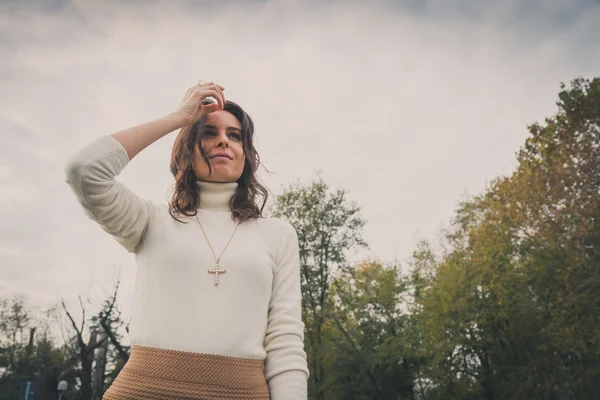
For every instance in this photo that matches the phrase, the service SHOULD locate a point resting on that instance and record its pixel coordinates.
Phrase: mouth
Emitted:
(221, 157)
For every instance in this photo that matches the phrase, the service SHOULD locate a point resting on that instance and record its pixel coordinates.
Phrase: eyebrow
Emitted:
(229, 128)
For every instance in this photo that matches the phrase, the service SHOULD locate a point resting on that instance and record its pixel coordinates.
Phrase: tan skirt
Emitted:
(153, 373)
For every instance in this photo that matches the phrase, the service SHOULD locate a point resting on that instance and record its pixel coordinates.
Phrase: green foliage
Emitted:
(511, 310)
(26, 352)
(368, 353)
(328, 225)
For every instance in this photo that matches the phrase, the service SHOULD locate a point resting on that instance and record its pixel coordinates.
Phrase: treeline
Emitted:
(88, 357)
(508, 309)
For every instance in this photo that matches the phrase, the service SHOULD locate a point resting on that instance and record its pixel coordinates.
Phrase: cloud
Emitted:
(407, 104)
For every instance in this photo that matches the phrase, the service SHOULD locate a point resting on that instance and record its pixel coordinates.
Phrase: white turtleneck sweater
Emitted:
(253, 313)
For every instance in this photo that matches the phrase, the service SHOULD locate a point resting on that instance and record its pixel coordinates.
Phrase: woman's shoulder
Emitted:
(158, 208)
(277, 231)
(161, 215)
(275, 224)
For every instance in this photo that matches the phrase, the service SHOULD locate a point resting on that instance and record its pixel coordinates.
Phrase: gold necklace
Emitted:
(217, 269)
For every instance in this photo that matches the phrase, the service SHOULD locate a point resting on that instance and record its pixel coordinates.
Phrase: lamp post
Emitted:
(62, 388)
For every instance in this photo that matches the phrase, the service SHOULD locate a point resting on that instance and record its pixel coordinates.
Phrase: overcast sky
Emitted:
(409, 105)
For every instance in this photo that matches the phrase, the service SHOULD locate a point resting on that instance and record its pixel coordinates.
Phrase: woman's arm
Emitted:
(91, 173)
(92, 170)
(137, 138)
(191, 109)
(286, 368)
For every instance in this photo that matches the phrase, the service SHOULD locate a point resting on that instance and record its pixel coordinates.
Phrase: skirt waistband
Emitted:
(153, 373)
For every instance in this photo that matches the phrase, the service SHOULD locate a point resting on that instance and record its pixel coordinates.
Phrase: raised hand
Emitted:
(194, 104)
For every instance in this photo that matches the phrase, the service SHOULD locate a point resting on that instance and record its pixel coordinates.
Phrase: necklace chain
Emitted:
(208, 241)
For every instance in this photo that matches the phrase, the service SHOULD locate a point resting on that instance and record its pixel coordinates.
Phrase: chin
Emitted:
(218, 176)
(220, 179)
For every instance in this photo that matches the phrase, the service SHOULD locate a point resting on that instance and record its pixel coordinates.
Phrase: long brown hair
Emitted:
(244, 204)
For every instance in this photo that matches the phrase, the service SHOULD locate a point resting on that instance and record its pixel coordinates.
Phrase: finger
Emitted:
(188, 92)
(213, 86)
(211, 108)
(219, 98)
(214, 94)
(210, 84)
(204, 92)
(222, 95)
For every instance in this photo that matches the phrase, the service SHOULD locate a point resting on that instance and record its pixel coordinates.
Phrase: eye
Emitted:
(237, 136)
(209, 133)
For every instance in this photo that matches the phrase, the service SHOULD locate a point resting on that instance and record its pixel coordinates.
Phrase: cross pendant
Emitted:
(216, 271)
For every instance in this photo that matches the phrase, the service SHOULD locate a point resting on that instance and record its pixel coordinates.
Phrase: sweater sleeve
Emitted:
(91, 174)
(286, 368)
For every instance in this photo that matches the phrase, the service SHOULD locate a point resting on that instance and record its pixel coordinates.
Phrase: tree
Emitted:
(83, 350)
(555, 199)
(16, 343)
(369, 349)
(513, 309)
(113, 353)
(328, 225)
(102, 348)
(26, 350)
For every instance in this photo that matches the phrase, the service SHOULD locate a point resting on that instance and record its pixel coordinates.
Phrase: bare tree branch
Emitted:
(79, 335)
(113, 339)
(82, 313)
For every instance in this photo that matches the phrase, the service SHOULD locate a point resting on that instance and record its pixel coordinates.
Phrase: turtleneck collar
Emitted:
(215, 196)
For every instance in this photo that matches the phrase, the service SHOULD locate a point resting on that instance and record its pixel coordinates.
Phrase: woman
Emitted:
(217, 296)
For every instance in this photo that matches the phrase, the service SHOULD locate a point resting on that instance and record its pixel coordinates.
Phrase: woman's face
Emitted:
(222, 142)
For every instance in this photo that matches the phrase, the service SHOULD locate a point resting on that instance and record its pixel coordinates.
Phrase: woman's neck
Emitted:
(215, 196)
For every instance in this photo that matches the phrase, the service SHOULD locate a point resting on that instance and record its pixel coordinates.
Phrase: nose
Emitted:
(223, 141)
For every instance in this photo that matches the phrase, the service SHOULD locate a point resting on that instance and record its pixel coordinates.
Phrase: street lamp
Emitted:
(62, 388)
